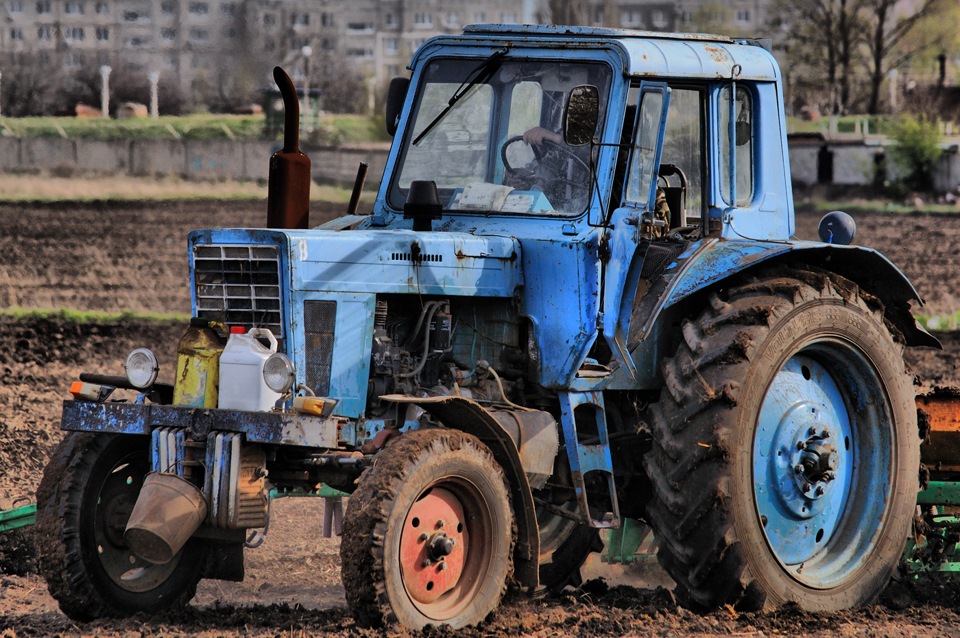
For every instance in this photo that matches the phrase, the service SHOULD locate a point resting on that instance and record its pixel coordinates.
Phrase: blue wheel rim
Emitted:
(822, 463)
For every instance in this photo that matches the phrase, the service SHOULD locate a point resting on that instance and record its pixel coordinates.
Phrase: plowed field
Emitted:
(133, 257)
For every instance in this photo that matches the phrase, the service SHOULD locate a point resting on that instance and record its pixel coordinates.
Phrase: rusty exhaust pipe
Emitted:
(288, 194)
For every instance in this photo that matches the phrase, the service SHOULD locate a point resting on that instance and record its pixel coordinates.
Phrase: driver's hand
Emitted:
(537, 135)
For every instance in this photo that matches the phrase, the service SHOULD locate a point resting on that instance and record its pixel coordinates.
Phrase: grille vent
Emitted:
(320, 320)
(239, 285)
(427, 257)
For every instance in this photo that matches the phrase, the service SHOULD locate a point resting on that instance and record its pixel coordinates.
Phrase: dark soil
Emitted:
(134, 258)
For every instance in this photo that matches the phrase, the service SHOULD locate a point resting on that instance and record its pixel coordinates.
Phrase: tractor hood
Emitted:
(387, 261)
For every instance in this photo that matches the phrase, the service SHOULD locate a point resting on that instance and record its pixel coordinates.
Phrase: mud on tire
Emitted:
(83, 503)
(432, 496)
(785, 447)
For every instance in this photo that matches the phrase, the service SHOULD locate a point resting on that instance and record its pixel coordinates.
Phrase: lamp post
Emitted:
(154, 78)
(105, 91)
(307, 51)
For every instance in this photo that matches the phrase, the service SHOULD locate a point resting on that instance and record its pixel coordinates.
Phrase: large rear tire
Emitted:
(785, 448)
(428, 536)
(83, 503)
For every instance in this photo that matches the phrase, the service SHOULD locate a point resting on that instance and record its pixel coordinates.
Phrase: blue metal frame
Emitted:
(584, 459)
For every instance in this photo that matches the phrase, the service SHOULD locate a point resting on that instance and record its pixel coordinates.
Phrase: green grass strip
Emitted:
(940, 323)
(870, 207)
(91, 316)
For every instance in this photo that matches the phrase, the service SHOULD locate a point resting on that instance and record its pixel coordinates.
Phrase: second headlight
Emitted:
(278, 372)
(142, 368)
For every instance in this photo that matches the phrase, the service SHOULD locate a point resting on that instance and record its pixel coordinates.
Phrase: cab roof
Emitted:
(644, 53)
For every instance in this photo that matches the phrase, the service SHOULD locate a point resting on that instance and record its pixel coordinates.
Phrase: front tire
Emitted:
(84, 501)
(428, 536)
(785, 448)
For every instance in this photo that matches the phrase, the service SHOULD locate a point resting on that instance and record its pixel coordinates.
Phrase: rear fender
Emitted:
(468, 416)
(710, 262)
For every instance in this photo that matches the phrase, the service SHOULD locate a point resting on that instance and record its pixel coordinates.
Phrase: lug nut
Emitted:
(819, 490)
(427, 562)
(798, 468)
(812, 430)
(828, 476)
(442, 566)
(441, 523)
(801, 445)
(423, 537)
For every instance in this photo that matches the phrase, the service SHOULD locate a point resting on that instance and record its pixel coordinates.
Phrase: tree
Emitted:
(30, 84)
(916, 149)
(888, 43)
(825, 36)
(572, 12)
(342, 88)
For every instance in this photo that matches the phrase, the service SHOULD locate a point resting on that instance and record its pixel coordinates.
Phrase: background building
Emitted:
(219, 53)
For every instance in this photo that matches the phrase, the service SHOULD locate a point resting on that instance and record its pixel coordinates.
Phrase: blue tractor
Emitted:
(575, 301)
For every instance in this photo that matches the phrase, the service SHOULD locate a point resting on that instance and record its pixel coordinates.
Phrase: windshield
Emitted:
(499, 147)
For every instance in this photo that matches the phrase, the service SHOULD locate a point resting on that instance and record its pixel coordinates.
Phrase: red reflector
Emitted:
(238, 330)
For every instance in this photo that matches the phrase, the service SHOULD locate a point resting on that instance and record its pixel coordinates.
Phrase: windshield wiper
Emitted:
(479, 75)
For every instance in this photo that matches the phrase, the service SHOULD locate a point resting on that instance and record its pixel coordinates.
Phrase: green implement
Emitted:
(18, 517)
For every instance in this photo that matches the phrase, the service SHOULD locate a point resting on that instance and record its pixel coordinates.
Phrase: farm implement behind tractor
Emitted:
(576, 306)
(18, 517)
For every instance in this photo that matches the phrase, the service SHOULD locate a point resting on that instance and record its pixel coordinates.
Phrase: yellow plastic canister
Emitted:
(198, 366)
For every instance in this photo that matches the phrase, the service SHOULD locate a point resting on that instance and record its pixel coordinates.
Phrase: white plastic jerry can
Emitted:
(241, 372)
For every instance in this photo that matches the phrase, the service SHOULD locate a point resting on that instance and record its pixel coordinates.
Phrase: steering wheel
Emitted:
(540, 151)
(549, 172)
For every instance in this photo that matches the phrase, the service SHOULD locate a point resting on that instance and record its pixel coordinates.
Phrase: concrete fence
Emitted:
(813, 159)
(190, 159)
(860, 162)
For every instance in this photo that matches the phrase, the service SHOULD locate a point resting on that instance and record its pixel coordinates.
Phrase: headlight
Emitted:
(278, 372)
(141, 368)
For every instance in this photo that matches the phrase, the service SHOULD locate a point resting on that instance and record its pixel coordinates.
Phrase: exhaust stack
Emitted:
(288, 195)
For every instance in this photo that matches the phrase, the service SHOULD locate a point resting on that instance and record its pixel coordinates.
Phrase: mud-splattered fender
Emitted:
(711, 261)
(470, 417)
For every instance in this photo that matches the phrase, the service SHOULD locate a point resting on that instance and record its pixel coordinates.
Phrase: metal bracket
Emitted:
(589, 458)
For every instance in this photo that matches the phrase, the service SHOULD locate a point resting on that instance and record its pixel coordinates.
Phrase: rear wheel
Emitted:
(84, 501)
(428, 535)
(785, 448)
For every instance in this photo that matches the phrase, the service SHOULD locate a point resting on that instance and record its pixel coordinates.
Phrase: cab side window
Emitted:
(642, 169)
(736, 146)
(683, 144)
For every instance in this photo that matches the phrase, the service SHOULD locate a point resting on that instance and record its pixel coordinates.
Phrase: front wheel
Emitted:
(84, 500)
(428, 535)
(785, 448)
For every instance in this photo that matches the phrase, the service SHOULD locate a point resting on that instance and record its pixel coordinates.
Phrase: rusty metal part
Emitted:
(434, 545)
(942, 444)
(536, 435)
(288, 197)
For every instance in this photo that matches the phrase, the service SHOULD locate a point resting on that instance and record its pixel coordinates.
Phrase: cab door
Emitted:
(622, 268)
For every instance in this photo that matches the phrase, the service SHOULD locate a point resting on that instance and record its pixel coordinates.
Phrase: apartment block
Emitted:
(223, 47)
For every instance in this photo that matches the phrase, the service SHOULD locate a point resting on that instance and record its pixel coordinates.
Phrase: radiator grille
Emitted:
(319, 319)
(239, 285)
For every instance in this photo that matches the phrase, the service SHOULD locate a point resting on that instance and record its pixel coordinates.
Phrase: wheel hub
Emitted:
(433, 545)
(815, 462)
(802, 460)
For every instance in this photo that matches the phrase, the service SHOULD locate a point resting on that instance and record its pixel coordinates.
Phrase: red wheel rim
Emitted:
(428, 573)
(444, 549)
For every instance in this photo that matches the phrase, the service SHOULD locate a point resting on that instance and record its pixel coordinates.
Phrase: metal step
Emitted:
(592, 457)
